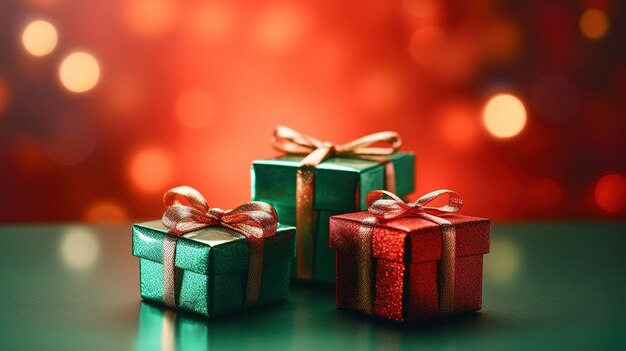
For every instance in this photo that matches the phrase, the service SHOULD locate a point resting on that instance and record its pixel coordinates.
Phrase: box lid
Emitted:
(411, 239)
(211, 250)
(338, 180)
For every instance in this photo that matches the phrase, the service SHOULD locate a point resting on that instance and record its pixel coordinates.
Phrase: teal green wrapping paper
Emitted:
(212, 266)
(338, 180)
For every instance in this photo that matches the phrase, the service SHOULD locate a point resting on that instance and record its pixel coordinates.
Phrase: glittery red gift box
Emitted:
(399, 277)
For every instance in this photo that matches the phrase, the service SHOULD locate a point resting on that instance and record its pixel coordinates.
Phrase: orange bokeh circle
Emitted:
(151, 169)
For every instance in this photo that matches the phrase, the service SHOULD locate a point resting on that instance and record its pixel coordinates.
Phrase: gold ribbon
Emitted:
(393, 207)
(292, 142)
(187, 210)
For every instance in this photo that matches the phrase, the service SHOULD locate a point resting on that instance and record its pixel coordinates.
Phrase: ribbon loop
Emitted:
(293, 142)
(187, 210)
(256, 219)
(361, 146)
(394, 207)
(455, 202)
(191, 196)
(183, 219)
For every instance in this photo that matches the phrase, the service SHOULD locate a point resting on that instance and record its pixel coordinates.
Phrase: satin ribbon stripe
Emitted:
(393, 207)
(187, 210)
(292, 142)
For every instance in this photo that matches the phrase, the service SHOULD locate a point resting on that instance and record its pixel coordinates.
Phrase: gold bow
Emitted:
(187, 210)
(292, 142)
(394, 207)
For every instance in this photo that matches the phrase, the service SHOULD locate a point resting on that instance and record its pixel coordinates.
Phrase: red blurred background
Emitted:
(163, 93)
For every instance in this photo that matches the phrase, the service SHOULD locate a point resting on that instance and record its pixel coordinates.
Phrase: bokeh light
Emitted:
(556, 98)
(458, 125)
(422, 8)
(150, 17)
(151, 170)
(503, 263)
(280, 27)
(106, 211)
(610, 192)
(195, 108)
(39, 38)
(212, 21)
(79, 248)
(79, 72)
(594, 24)
(427, 45)
(504, 116)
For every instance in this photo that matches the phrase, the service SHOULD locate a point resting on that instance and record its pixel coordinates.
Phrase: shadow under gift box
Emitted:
(405, 259)
(341, 186)
(212, 267)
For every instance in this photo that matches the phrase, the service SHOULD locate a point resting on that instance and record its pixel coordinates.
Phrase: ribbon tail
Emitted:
(390, 177)
(169, 271)
(364, 298)
(255, 270)
(306, 220)
(306, 216)
(448, 263)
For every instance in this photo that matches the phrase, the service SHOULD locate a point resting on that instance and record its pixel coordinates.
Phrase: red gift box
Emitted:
(393, 268)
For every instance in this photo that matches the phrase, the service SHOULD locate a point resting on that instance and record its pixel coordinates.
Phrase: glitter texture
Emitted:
(405, 258)
(212, 267)
(389, 290)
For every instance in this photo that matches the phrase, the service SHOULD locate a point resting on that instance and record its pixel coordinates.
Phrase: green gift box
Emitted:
(211, 267)
(341, 185)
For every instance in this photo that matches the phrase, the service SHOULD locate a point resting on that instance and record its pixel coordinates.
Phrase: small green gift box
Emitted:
(212, 264)
(339, 184)
(207, 270)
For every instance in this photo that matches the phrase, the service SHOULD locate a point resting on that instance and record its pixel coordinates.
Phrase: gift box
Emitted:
(216, 268)
(337, 183)
(407, 261)
(341, 183)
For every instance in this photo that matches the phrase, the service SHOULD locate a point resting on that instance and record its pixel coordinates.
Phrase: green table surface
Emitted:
(546, 286)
